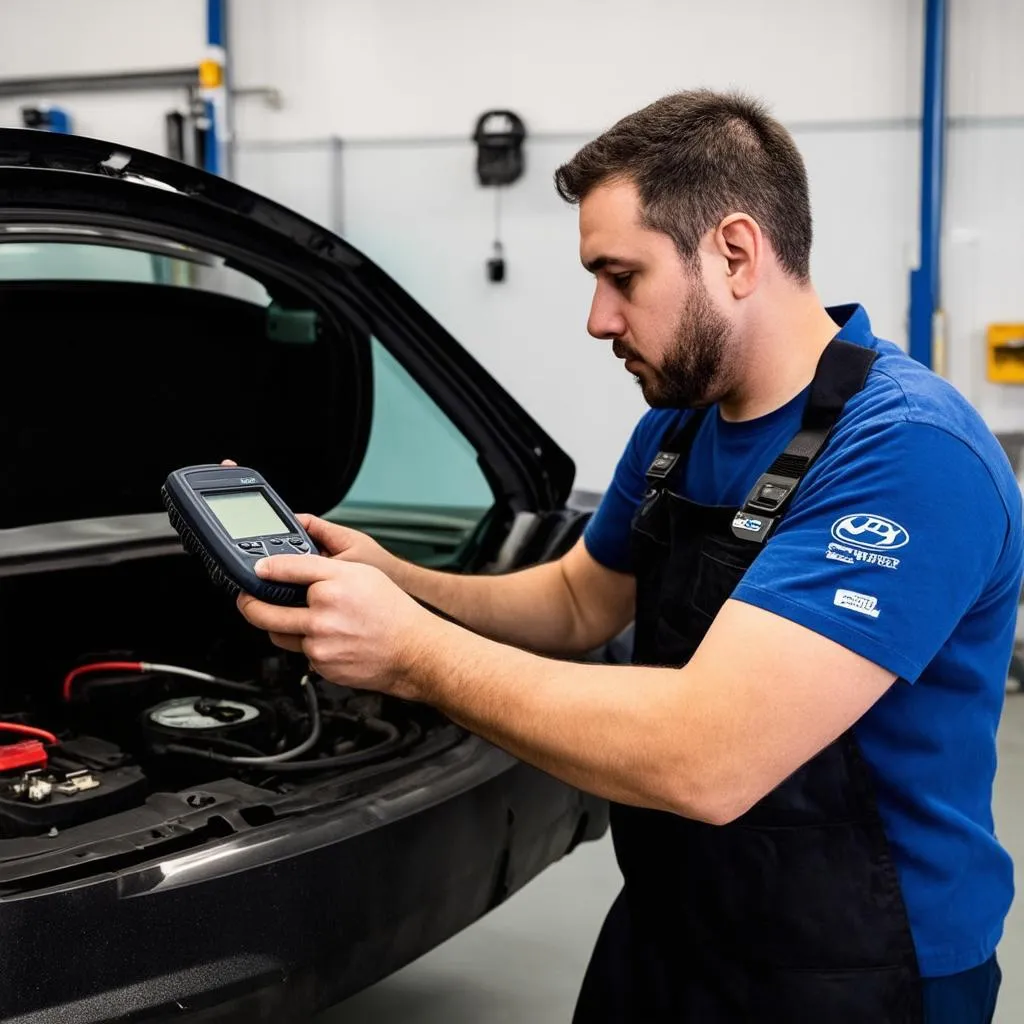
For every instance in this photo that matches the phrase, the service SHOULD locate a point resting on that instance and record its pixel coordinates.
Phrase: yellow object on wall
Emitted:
(211, 74)
(1006, 353)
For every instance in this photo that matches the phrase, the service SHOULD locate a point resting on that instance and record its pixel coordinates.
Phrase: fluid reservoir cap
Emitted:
(201, 713)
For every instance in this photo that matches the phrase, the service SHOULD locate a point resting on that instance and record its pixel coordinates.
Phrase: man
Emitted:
(821, 545)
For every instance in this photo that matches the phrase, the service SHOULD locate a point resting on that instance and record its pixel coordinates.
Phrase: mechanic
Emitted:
(801, 758)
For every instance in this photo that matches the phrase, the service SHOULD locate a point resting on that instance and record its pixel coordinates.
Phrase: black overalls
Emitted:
(793, 913)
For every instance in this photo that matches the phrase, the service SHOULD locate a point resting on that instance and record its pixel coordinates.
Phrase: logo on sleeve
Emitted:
(872, 533)
(863, 539)
(863, 603)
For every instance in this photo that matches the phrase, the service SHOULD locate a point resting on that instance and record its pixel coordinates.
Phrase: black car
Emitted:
(154, 317)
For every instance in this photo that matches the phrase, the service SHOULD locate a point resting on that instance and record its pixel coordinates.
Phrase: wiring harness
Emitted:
(342, 753)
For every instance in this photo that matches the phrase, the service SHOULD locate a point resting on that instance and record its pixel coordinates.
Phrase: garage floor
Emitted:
(524, 961)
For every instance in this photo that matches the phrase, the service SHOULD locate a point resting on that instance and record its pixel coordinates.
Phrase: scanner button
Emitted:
(300, 545)
(244, 544)
(277, 540)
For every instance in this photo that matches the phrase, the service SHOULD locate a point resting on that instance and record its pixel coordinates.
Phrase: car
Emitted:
(155, 317)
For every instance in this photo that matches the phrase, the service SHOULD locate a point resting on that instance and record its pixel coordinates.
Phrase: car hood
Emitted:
(48, 178)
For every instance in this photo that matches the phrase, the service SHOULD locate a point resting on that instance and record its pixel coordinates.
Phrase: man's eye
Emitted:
(622, 281)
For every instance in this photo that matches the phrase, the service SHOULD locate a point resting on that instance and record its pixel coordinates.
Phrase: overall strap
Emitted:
(675, 446)
(842, 372)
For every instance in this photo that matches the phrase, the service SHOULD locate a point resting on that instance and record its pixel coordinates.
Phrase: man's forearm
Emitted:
(610, 730)
(531, 608)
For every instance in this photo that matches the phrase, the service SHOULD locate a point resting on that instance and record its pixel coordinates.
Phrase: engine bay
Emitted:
(131, 728)
(98, 742)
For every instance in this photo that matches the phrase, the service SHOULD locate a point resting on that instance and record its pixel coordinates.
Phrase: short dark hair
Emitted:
(696, 157)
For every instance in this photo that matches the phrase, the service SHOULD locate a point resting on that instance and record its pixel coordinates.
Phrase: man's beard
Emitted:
(695, 370)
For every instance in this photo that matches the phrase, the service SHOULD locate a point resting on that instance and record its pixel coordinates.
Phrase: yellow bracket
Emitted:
(1005, 343)
(211, 74)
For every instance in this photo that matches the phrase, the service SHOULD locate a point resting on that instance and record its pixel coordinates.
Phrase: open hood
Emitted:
(184, 375)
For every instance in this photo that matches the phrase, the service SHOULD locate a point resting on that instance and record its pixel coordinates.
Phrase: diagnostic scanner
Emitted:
(231, 518)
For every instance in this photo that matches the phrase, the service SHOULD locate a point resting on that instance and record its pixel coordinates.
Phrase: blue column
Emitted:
(215, 22)
(213, 79)
(925, 280)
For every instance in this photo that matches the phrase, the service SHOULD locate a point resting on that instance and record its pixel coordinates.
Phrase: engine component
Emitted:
(78, 783)
(24, 754)
(86, 778)
(33, 787)
(145, 668)
(264, 760)
(209, 723)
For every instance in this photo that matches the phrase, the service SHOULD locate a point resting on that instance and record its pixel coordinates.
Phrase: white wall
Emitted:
(402, 82)
(986, 73)
(68, 37)
(65, 37)
(403, 67)
(982, 266)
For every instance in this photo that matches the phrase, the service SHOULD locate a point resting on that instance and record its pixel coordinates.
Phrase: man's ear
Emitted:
(738, 239)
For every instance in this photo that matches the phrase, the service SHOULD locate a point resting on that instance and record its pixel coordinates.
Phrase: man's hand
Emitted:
(358, 628)
(347, 545)
(565, 607)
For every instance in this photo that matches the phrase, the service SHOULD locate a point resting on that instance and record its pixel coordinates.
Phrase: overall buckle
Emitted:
(763, 507)
(662, 466)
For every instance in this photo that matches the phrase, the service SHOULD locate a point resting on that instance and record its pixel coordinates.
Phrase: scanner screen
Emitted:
(246, 514)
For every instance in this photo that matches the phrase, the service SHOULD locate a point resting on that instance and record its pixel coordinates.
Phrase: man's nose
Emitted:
(606, 321)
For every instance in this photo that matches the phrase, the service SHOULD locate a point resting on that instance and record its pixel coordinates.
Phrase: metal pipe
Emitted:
(270, 95)
(50, 85)
(925, 279)
(337, 224)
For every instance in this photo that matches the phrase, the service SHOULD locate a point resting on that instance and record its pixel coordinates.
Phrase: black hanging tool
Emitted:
(499, 136)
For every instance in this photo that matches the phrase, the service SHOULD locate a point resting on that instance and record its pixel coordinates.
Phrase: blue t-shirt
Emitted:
(903, 544)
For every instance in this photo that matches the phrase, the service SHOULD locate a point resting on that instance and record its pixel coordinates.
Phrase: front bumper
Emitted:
(297, 915)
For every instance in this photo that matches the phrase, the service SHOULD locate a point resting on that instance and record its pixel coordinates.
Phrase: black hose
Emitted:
(239, 748)
(394, 743)
(386, 729)
(386, 749)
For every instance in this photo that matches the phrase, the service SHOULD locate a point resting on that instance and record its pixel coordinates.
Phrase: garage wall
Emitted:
(986, 74)
(982, 265)
(64, 37)
(402, 67)
(845, 77)
(402, 83)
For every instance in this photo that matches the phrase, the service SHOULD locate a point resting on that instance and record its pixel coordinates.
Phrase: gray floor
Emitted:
(522, 964)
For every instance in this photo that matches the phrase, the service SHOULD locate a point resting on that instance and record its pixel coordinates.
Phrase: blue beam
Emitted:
(215, 22)
(215, 95)
(925, 280)
(211, 152)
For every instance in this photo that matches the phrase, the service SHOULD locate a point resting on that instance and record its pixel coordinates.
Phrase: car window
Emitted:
(35, 259)
(420, 490)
